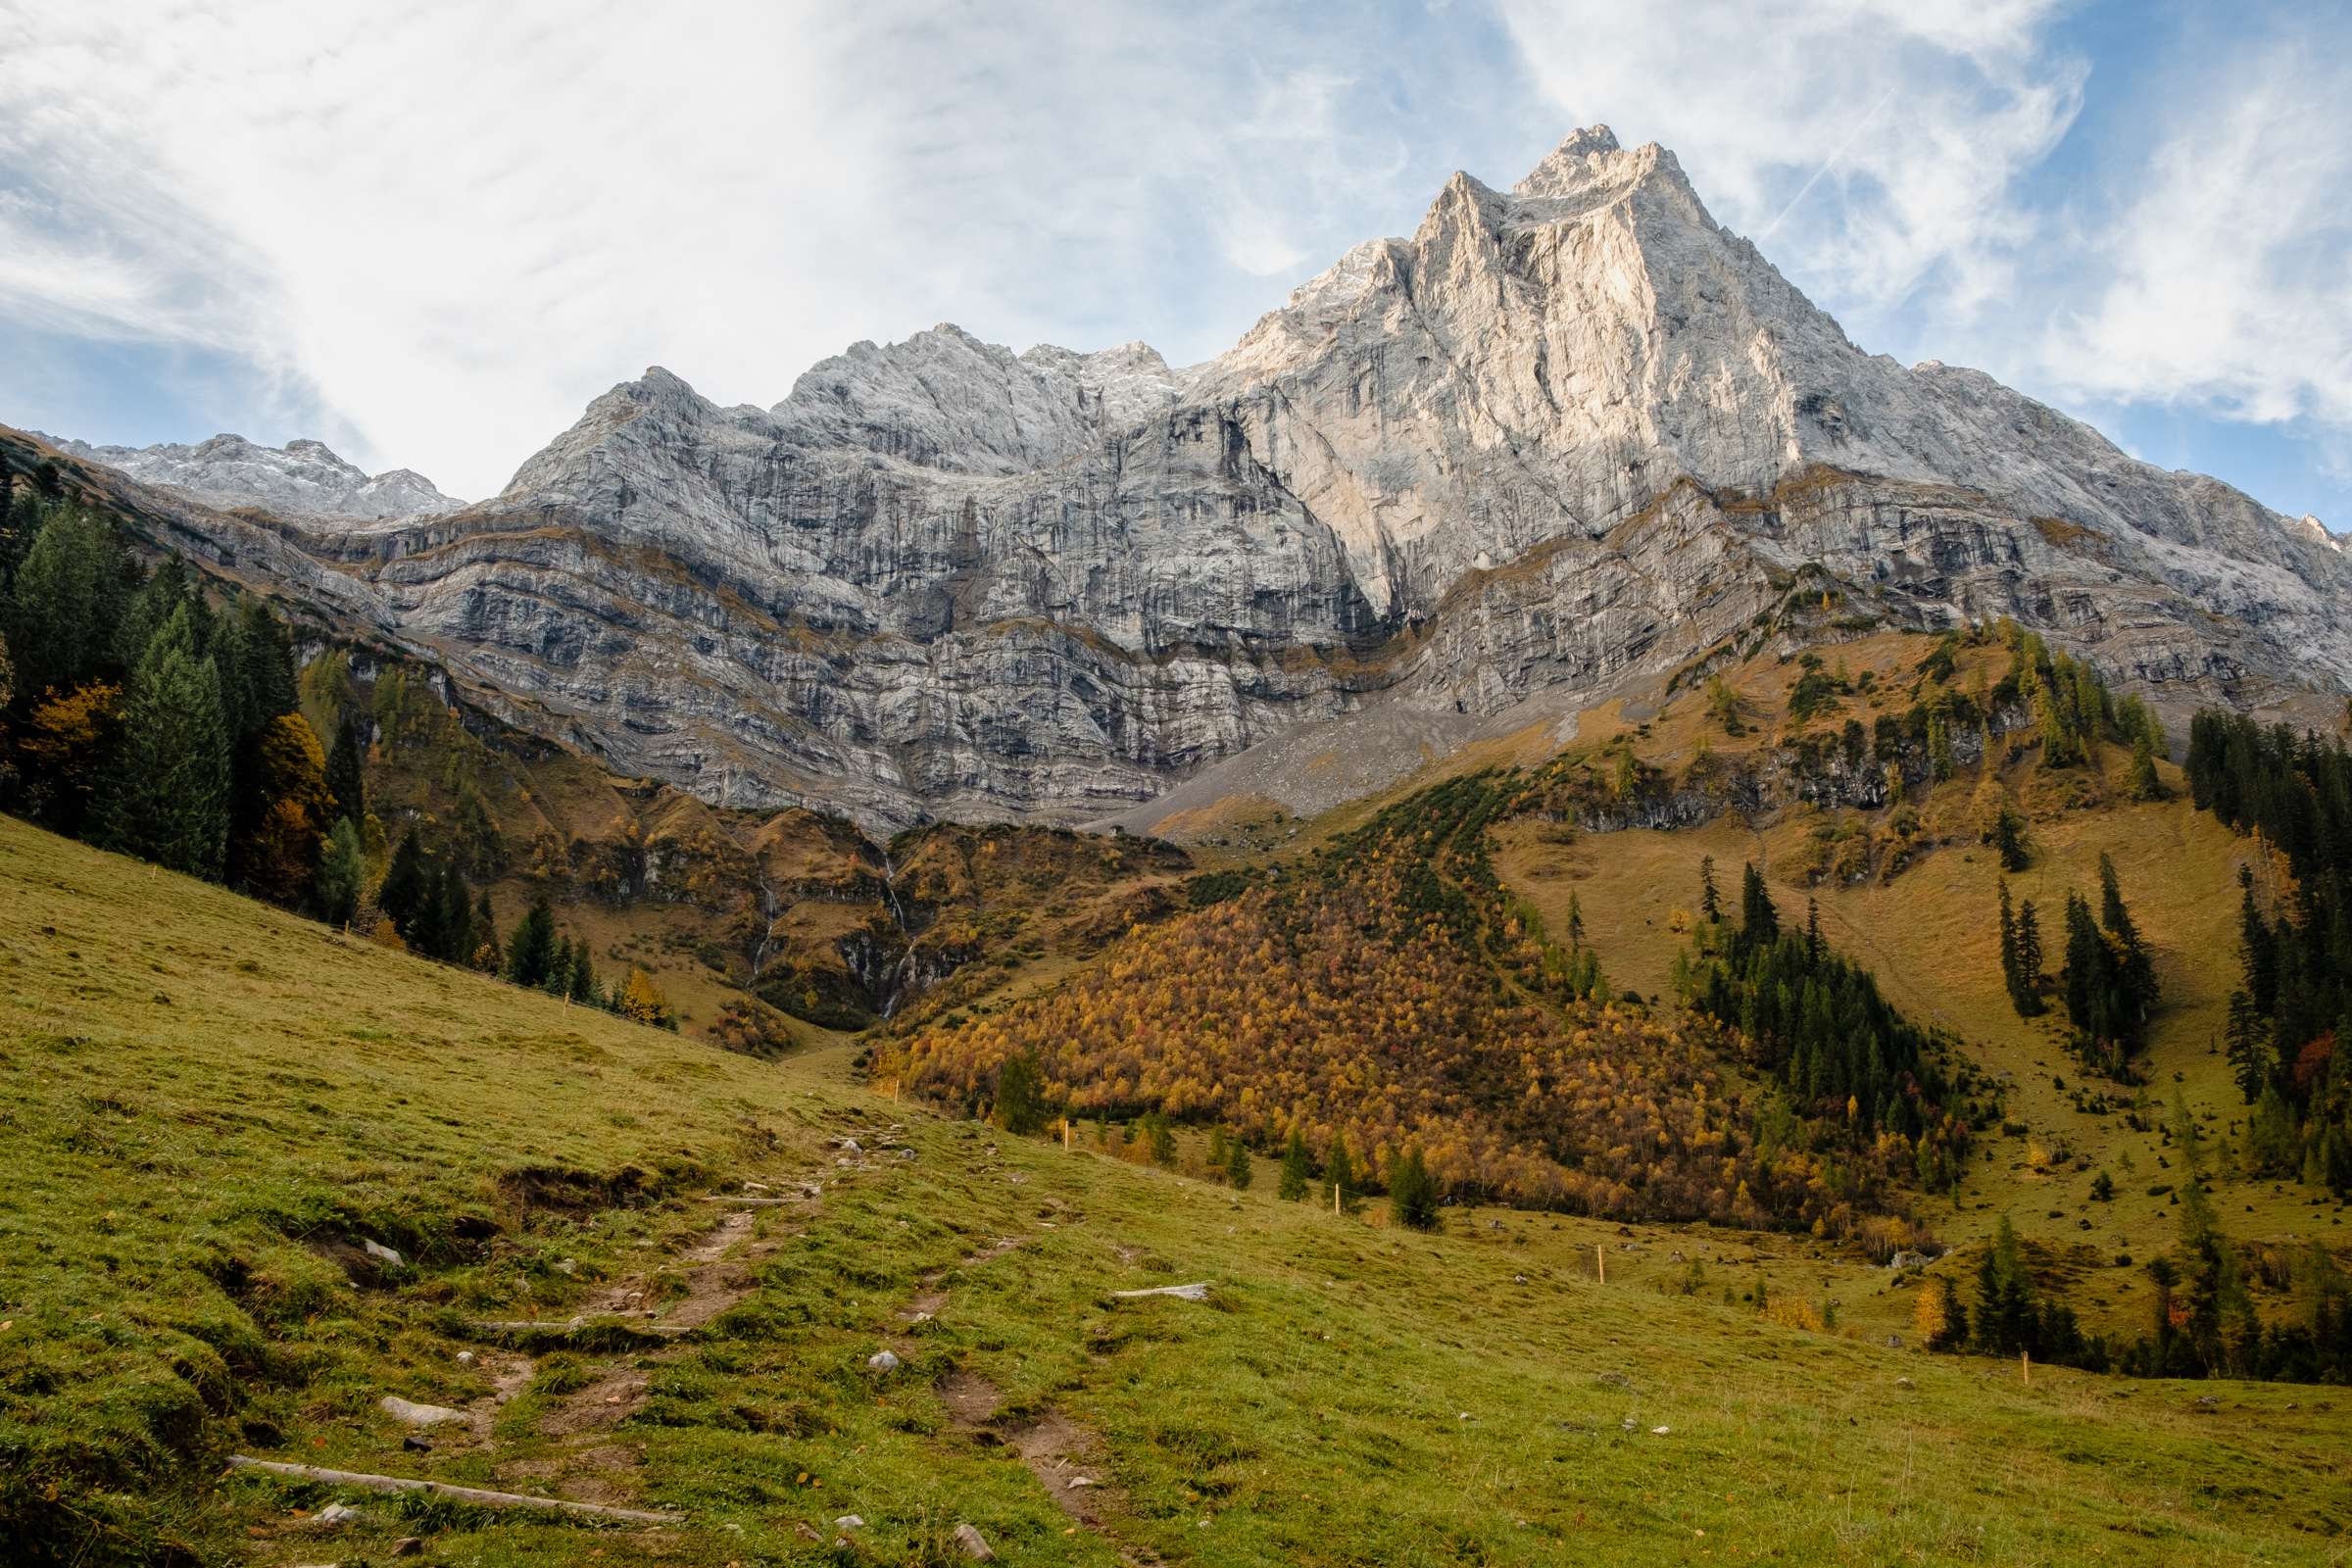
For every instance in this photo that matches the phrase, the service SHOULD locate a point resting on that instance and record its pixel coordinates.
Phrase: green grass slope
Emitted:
(207, 1108)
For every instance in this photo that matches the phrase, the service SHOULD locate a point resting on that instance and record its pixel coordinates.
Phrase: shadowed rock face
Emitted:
(1560, 436)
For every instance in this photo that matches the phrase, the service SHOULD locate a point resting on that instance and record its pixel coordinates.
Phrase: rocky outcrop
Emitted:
(302, 478)
(1559, 436)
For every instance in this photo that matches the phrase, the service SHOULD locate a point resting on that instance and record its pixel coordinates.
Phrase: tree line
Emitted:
(2292, 1010)
(142, 714)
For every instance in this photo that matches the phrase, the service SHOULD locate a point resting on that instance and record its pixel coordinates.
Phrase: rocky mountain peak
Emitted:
(1562, 436)
(303, 477)
(944, 399)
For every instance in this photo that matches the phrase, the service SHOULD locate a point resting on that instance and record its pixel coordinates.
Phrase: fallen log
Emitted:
(442, 1489)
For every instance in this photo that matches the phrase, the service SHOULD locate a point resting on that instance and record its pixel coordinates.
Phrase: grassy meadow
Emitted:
(207, 1109)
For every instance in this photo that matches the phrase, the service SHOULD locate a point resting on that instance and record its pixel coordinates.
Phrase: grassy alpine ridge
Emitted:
(207, 1105)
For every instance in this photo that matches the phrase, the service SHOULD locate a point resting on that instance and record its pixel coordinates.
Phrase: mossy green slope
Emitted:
(205, 1103)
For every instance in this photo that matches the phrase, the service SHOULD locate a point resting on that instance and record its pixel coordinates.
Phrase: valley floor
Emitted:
(208, 1109)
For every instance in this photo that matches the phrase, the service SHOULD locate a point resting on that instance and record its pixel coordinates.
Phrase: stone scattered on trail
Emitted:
(1075, 1482)
(882, 1361)
(466, 1358)
(970, 1541)
(1198, 1292)
(380, 1253)
(849, 1521)
(417, 1415)
(337, 1513)
(569, 1265)
(416, 1445)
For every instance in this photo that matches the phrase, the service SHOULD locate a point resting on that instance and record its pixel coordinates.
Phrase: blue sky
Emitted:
(429, 233)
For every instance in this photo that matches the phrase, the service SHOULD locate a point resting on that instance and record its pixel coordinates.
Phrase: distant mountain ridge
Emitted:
(1560, 438)
(303, 476)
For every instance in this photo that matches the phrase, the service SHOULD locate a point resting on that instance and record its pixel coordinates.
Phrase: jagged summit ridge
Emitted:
(301, 476)
(944, 399)
(1559, 437)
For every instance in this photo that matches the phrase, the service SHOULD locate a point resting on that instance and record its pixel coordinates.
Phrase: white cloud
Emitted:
(434, 230)
(1906, 125)
(459, 222)
(2226, 278)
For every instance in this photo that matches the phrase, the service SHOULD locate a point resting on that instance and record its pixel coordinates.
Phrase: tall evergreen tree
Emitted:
(65, 602)
(345, 772)
(1297, 1173)
(1412, 1191)
(2249, 1054)
(404, 891)
(2028, 951)
(1758, 920)
(1710, 907)
(342, 874)
(166, 796)
(531, 951)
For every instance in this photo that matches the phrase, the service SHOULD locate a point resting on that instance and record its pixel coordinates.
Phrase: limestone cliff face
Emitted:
(1559, 436)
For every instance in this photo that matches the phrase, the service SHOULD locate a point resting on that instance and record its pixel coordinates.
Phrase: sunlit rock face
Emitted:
(1560, 436)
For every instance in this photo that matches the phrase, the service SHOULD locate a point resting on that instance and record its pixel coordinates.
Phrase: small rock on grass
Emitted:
(418, 1415)
(337, 1513)
(408, 1546)
(882, 1361)
(849, 1521)
(970, 1541)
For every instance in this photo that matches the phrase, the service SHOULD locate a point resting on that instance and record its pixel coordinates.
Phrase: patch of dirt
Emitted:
(604, 1473)
(971, 1399)
(510, 1375)
(607, 1402)
(1065, 1458)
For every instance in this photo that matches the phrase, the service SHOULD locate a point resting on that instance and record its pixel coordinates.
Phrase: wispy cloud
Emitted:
(2225, 276)
(434, 230)
(1918, 119)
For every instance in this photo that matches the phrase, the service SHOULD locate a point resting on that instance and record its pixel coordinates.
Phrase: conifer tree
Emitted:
(342, 874)
(2012, 970)
(167, 798)
(64, 602)
(345, 772)
(1297, 1174)
(583, 973)
(2144, 783)
(1710, 907)
(1238, 1170)
(402, 893)
(2029, 953)
(2009, 838)
(1759, 921)
(1412, 1191)
(532, 951)
(2249, 1058)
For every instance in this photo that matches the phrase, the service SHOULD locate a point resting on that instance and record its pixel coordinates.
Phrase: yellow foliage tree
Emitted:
(642, 1000)
(280, 855)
